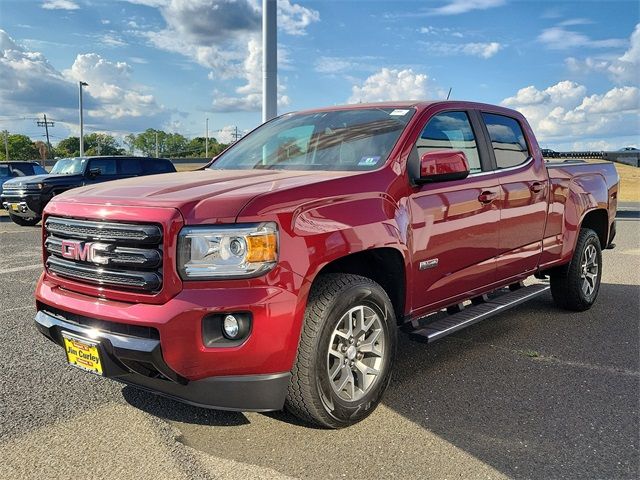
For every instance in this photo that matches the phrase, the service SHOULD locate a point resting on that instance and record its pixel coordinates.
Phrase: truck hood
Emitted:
(46, 178)
(203, 196)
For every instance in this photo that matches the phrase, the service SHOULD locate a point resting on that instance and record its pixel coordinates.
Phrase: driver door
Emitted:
(455, 224)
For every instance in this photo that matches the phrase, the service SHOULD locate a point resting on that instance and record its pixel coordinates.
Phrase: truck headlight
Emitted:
(227, 251)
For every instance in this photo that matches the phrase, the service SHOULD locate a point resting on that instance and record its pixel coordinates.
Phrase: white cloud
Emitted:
(391, 84)
(221, 35)
(559, 38)
(294, 18)
(60, 5)
(248, 96)
(621, 69)
(31, 85)
(111, 84)
(335, 65)
(565, 114)
(476, 49)
(228, 134)
(456, 7)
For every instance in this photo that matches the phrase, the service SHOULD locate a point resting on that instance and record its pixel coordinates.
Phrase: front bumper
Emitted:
(27, 205)
(138, 361)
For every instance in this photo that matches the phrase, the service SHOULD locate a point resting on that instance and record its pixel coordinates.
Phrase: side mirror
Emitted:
(443, 166)
(94, 172)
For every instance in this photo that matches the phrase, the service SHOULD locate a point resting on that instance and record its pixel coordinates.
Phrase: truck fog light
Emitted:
(225, 329)
(231, 327)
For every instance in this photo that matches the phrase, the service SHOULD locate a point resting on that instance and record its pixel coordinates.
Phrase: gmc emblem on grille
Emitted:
(85, 251)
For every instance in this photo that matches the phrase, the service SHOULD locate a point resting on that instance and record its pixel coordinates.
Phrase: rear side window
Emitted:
(23, 169)
(107, 166)
(130, 166)
(450, 131)
(507, 139)
(4, 170)
(158, 166)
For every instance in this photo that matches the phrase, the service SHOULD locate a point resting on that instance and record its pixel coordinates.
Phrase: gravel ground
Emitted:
(532, 393)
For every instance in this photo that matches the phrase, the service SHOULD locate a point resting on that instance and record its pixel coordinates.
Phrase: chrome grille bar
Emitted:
(103, 231)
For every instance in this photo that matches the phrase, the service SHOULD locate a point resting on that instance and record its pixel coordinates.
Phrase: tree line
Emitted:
(171, 145)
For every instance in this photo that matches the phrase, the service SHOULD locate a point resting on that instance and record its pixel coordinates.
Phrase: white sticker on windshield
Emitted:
(368, 161)
(399, 112)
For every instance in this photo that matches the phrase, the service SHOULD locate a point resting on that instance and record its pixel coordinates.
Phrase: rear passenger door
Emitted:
(523, 206)
(129, 167)
(454, 224)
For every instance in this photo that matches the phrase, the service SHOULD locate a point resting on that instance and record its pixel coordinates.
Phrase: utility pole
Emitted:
(269, 60)
(46, 126)
(80, 85)
(157, 145)
(206, 139)
(6, 145)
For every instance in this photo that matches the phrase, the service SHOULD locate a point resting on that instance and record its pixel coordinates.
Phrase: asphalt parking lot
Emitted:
(532, 393)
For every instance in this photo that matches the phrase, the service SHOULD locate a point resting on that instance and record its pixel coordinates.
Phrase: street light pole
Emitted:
(80, 85)
(206, 139)
(269, 60)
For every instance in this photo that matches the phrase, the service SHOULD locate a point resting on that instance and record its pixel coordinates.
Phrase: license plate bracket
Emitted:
(83, 353)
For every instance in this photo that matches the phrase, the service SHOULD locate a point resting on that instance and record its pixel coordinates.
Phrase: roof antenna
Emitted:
(449, 94)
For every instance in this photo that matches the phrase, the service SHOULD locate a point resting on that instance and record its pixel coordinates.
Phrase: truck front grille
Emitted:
(122, 256)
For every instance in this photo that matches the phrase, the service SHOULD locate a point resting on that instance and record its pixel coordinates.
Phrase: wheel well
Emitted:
(598, 221)
(382, 265)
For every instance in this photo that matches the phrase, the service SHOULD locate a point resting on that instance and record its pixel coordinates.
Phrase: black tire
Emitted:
(311, 395)
(25, 222)
(568, 280)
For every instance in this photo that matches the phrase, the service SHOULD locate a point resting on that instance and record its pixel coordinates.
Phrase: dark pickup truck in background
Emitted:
(280, 274)
(25, 197)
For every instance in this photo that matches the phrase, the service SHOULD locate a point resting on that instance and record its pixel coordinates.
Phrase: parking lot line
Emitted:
(21, 269)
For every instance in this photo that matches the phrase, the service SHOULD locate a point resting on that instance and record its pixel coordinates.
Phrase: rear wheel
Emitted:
(346, 351)
(25, 222)
(575, 286)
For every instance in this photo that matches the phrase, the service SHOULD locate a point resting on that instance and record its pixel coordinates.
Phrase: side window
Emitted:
(130, 166)
(507, 139)
(4, 170)
(450, 131)
(157, 166)
(23, 169)
(107, 166)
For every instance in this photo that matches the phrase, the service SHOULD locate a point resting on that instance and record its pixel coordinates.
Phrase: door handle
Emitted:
(537, 187)
(487, 197)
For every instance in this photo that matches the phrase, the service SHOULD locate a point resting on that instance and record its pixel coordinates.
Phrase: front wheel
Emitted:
(575, 286)
(346, 351)
(25, 222)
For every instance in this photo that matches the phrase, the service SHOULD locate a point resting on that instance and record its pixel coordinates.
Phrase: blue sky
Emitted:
(572, 67)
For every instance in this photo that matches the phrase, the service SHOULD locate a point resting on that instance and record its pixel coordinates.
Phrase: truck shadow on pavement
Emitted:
(532, 392)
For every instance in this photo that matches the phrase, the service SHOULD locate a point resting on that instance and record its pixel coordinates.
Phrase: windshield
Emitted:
(356, 139)
(68, 166)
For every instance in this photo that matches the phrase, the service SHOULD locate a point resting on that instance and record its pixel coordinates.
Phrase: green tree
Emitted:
(146, 142)
(20, 148)
(175, 145)
(69, 147)
(130, 142)
(101, 144)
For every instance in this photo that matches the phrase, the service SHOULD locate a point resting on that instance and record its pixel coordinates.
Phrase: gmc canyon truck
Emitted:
(279, 275)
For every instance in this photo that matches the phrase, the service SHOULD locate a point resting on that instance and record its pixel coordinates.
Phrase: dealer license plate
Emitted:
(15, 207)
(82, 353)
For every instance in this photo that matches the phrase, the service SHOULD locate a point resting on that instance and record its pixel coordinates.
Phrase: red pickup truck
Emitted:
(279, 275)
